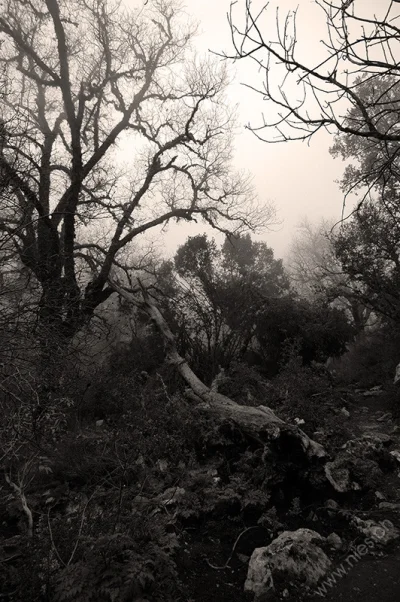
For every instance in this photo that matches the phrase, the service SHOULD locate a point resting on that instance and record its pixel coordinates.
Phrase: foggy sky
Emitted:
(300, 179)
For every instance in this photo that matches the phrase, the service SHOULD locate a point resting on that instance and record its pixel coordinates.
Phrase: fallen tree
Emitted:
(259, 423)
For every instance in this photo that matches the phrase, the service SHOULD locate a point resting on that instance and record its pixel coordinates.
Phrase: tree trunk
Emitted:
(256, 422)
(53, 338)
(52, 351)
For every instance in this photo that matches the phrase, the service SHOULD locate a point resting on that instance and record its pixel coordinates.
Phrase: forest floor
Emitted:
(374, 578)
(197, 518)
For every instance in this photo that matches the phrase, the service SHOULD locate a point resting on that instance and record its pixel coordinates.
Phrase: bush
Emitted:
(318, 332)
(244, 384)
(371, 359)
(127, 379)
(307, 392)
(121, 566)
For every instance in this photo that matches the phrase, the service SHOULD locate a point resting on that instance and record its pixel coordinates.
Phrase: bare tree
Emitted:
(311, 260)
(86, 81)
(327, 92)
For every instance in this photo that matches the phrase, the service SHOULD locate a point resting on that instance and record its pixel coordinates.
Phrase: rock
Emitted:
(140, 461)
(378, 439)
(397, 375)
(396, 454)
(141, 499)
(259, 575)
(332, 504)
(163, 465)
(99, 423)
(339, 477)
(371, 445)
(243, 558)
(294, 559)
(299, 421)
(389, 506)
(334, 541)
(384, 417)
(345, 413)
(379, 495)
(366, 392)
(373, 392)
(382, 532)
(367, 473)
(332, 507)
(357, 466)
(172, 495)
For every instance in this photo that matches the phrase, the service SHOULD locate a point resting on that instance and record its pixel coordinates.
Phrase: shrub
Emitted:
(318, 331)
(244, 384)
(120, 567)
(371, 359)
(307, 392)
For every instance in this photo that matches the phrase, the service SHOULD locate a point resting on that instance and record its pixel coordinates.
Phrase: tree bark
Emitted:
(259, 423)
(55, 329)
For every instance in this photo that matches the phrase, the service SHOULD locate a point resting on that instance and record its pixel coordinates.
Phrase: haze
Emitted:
(299, 178)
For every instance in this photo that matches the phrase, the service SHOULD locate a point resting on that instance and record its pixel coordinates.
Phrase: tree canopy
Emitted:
(368, 249)
(86, 83)
(234, 303)
(216, 293)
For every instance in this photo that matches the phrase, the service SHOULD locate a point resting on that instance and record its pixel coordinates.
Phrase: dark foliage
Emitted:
(367, 247)
(316, 331)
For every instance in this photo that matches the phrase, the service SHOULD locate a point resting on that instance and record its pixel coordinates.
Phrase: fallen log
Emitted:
(259, 423)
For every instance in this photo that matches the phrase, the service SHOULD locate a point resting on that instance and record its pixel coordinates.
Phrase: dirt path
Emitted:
(375, 577)
(373, 413)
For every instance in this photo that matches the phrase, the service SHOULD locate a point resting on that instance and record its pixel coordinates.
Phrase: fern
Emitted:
(115, 567)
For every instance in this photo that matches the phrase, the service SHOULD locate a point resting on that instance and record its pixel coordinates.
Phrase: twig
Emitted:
(80, 530)
(53, 545)
(4, 560)
(18, 490)
(160, 378)
(77, 538)
(225, 566)
(9, 594)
